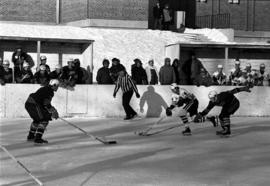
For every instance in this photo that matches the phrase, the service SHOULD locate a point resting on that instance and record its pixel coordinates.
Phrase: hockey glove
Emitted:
(199, 118)
(54, 113)
(168, 112)
(138, 95)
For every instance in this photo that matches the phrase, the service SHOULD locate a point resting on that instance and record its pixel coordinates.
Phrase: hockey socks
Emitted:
(187, 131)
(32, 132)
(39, 133)
(225, 124)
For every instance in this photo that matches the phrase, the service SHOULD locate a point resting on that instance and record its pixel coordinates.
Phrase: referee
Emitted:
(128, 87)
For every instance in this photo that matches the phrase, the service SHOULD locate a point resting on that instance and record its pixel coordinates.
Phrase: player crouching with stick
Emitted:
(182, 97)
(38, 106)
(229, 104)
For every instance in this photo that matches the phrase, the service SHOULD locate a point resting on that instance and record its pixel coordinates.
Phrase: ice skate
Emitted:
(224, 133)
(213, 120)
(30, 137)
(40, 141)
(186, 132)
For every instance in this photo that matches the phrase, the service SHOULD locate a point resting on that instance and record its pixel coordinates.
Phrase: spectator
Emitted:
(248, 68)
(262, 76)
(166, 73)
(167, 18)
(42, 76)
(115, 68)
(236, 73)
(175, 66)
(196, 66)
(1, 62)
(70, 75)
(18, 58)
(138, 74)
(135, 63)
(82, 73)
(152, 73)
(1, 70)
(186, 67)
(205, 78)
(43, 61)
(57, 73)
(26, 75)
(183, 78)
(157, 12)
(219, 77)
(103, 74)
(6, 73)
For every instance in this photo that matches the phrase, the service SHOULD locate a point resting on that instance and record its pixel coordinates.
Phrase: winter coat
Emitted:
(138, 74)
(149, 75)
(167, 75)
(103, 76)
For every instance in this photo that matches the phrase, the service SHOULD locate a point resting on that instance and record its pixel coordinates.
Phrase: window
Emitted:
(202, 1)
(234, 1)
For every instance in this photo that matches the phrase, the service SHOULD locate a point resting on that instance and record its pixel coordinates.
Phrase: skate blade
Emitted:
(186, 134)
(225, 136)
(40, 144)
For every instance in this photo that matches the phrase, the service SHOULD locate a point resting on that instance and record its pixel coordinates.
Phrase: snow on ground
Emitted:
(128, 44)
(73, 159)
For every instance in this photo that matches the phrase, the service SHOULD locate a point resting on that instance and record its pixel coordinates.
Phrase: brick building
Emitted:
(247, 15)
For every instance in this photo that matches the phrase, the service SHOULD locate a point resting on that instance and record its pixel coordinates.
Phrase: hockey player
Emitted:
(229, 104)
(182, 97)
(219, 77)
(38, 106)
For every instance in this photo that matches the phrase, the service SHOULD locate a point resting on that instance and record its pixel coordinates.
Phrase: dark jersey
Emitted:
(6, 76)
(27, 76)
(223, 99)
(43, 96)
(42, 79)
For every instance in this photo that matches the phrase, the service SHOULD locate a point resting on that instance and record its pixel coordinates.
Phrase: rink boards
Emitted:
(97, 100)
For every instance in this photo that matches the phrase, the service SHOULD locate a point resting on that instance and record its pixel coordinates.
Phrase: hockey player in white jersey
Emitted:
(188, 102)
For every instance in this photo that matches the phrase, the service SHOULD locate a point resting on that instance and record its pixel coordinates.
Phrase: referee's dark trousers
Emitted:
(125, 101)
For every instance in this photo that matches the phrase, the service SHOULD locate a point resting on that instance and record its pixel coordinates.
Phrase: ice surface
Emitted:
(71, 158)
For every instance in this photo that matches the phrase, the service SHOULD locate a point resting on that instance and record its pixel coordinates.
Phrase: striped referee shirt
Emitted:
(126, 84)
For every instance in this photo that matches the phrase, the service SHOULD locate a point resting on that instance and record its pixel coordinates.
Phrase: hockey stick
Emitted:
(163, 130)
(145, 131)
(29, 173)
(90, 135)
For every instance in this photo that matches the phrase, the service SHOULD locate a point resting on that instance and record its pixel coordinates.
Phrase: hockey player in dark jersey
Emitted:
(187, 100)
(38, 106)
(229, 104)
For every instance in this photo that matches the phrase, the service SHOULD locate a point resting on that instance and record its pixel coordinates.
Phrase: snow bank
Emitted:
(127, 44)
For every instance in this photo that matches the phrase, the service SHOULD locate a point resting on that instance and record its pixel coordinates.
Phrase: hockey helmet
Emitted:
(43, 58)
(262, 65)
(237, 62)
(58, 66)
(219, 66)
(70, 60)
(54, 82)
(6, 62)
(174, 86)
(212, 94)
(25, 64)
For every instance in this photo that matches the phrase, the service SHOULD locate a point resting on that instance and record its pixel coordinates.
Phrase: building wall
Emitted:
(73, 10)
(250, 15)
(28, 10)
